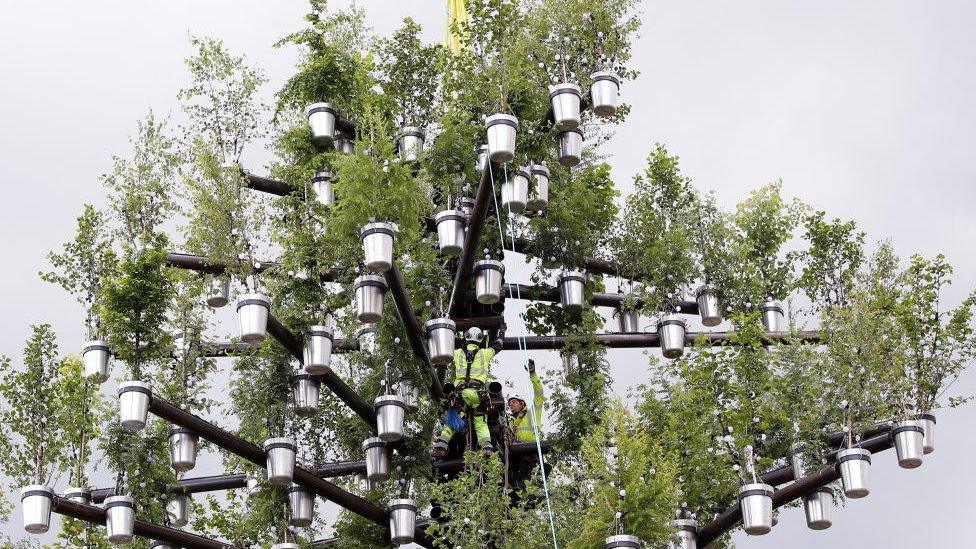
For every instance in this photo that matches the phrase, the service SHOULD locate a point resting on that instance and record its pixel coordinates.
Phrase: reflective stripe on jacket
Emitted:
(521, 424)
(480, 366)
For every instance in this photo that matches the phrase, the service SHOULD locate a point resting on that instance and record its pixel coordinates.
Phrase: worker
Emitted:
(472, 370)
(523, 426)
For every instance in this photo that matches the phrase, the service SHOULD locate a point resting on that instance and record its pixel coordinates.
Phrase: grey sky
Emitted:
(864, 109)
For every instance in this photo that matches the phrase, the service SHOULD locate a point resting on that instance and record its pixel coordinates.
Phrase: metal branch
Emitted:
(472, 237)
(547, 293)
(645, 340)
(412, 328)
(202, 264)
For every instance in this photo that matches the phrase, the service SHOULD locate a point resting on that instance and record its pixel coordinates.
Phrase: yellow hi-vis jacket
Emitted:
(480, 366)
(521, 423)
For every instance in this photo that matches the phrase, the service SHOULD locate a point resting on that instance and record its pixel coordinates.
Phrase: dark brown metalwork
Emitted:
(411, 326)
(547, 293)
(472, 237)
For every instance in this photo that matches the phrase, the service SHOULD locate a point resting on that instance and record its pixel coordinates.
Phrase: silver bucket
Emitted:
(605, 93)
(370, 291)
(178, 509)
(854, 465)
(709, 307)
(390, 410)
(798, 461)
(629, 321)
(363, 482)
(159, 544)
(305, 394)
(489, 275)
(318, 350)
(570, 363)
(403, 520)
(773, 316)
(322, 119)
(570, 147)
(671, 331)
(539, 190)
(322, 187)
(440, 339)
(366, 336)
(182, 449)
(621, 541)
(120, 515)
(377, 241)
(571, 291)
(78, 495)
(218, 294)
(466, 205)
(410, 143)
(280, 452)
(756, 501)
(502, 130)
(909, 437)
(928, 425)
(817, 507)
(450, 231)
(687, 534)
(565, 99)
(134, 398)
(35, 506)
(344, 144)
(301, 503)
(96, 354)
(410, 394)
(482, 152)
(252, 315)
(377, 459)
(515, 191)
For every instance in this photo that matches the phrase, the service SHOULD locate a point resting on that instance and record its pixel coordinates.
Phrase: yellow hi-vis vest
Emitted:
(521, 424)
(480, 366)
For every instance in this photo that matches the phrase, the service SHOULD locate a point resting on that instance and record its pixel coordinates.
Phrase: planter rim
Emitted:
(385, 227)
(686, 523)
(402, 503)
(320, 107)
(36, 490)
(488, 264)
(296, 488)
(574, 130)
(95, 344)
(280, 442)
(254, 299)
(565, 87)
(177, 430)
(706, 289)
(320, 331)
(540, 169)
(605, 75)
(907, 426)
(373, 442)
(450, 215)
(370, 280)
(441, 322)
(389, 400)
(120, 501)
(75, 491)
(672, 318)
(572, 275)
(365, 330)
(414, 131)
(501, 118)
(755, 488)
(300, 376)
(849, 454)
(135, 386)
(927, 416)
(325, 174)
(772, 305)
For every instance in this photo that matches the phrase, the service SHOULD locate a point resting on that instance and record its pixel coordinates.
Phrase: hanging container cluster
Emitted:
(182, 449)
(134, 398)
(390, 411)
(95, 355)
(571, 291)
(773, 316)
(709, 307)
(218, 294)
(854, 465)
(671, 330)
(35, 506)
(377, 459)
(817, 507)
(622, 541)
(280, 459)
(322, 120)
(178, 509)
(370, 291)
(909, 437)
(570, 147)
(322, 187)
(120, 515)
(502, 130)
(301, 504)
(252, 315)
(539, 190)
(410, 143)
(450, 231)
(377, 241)
(440, 339)
(687, 534)
(403, 520)
(756, 501)
(318, 350)
(305, 394)
(489, 275)
(605, 93)
(515, 191)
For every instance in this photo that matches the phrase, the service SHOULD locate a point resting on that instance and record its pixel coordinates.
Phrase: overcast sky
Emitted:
(864, 109)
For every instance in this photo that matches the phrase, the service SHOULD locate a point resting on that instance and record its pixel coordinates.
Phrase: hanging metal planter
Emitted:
(539, 190)
(182, 449)
(629, 321)
(571, 291)
(344, 144)
(466, 205)
(565, 99)
(219, 293)
(515, 191)
(709, 307)
(318, 350)
(410, 394)
(854, 465)
(286, 545)
(482, 152)
(301, 503)
(570, 363)
(322, 187)
(450, 231)
(178, 509)
(134, 397)
(671, 330)
(78, 495)
(35, 506)
(390, 410)
(687, 534)
(773, 317)
(817, 507)
(605, 93)
(909, 437)
(440, 339)
(322, 119)
(756, 501)
(366, 336)
(403, 520)
(570, 147)
(96, 354)
(928, 425)
(489, 275)
(280, 452)
(798, 461)
(377, 459)
(305, 394)
(502, 130)
(370, 291)
(622, 541)
(158, 544)
(363, 482)
(120, 515)
(378, 246)
(252, 315)
(410, 143)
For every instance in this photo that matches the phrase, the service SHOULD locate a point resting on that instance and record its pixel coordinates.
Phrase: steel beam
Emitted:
(412, 328)
(472, 236)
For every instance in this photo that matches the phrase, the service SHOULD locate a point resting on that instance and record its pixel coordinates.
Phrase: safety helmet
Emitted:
(474, 334)
(518, 398)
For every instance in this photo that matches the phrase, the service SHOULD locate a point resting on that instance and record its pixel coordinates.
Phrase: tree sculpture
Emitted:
(399, 165)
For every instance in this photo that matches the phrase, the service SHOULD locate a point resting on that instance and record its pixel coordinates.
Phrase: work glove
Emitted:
(531, 366)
